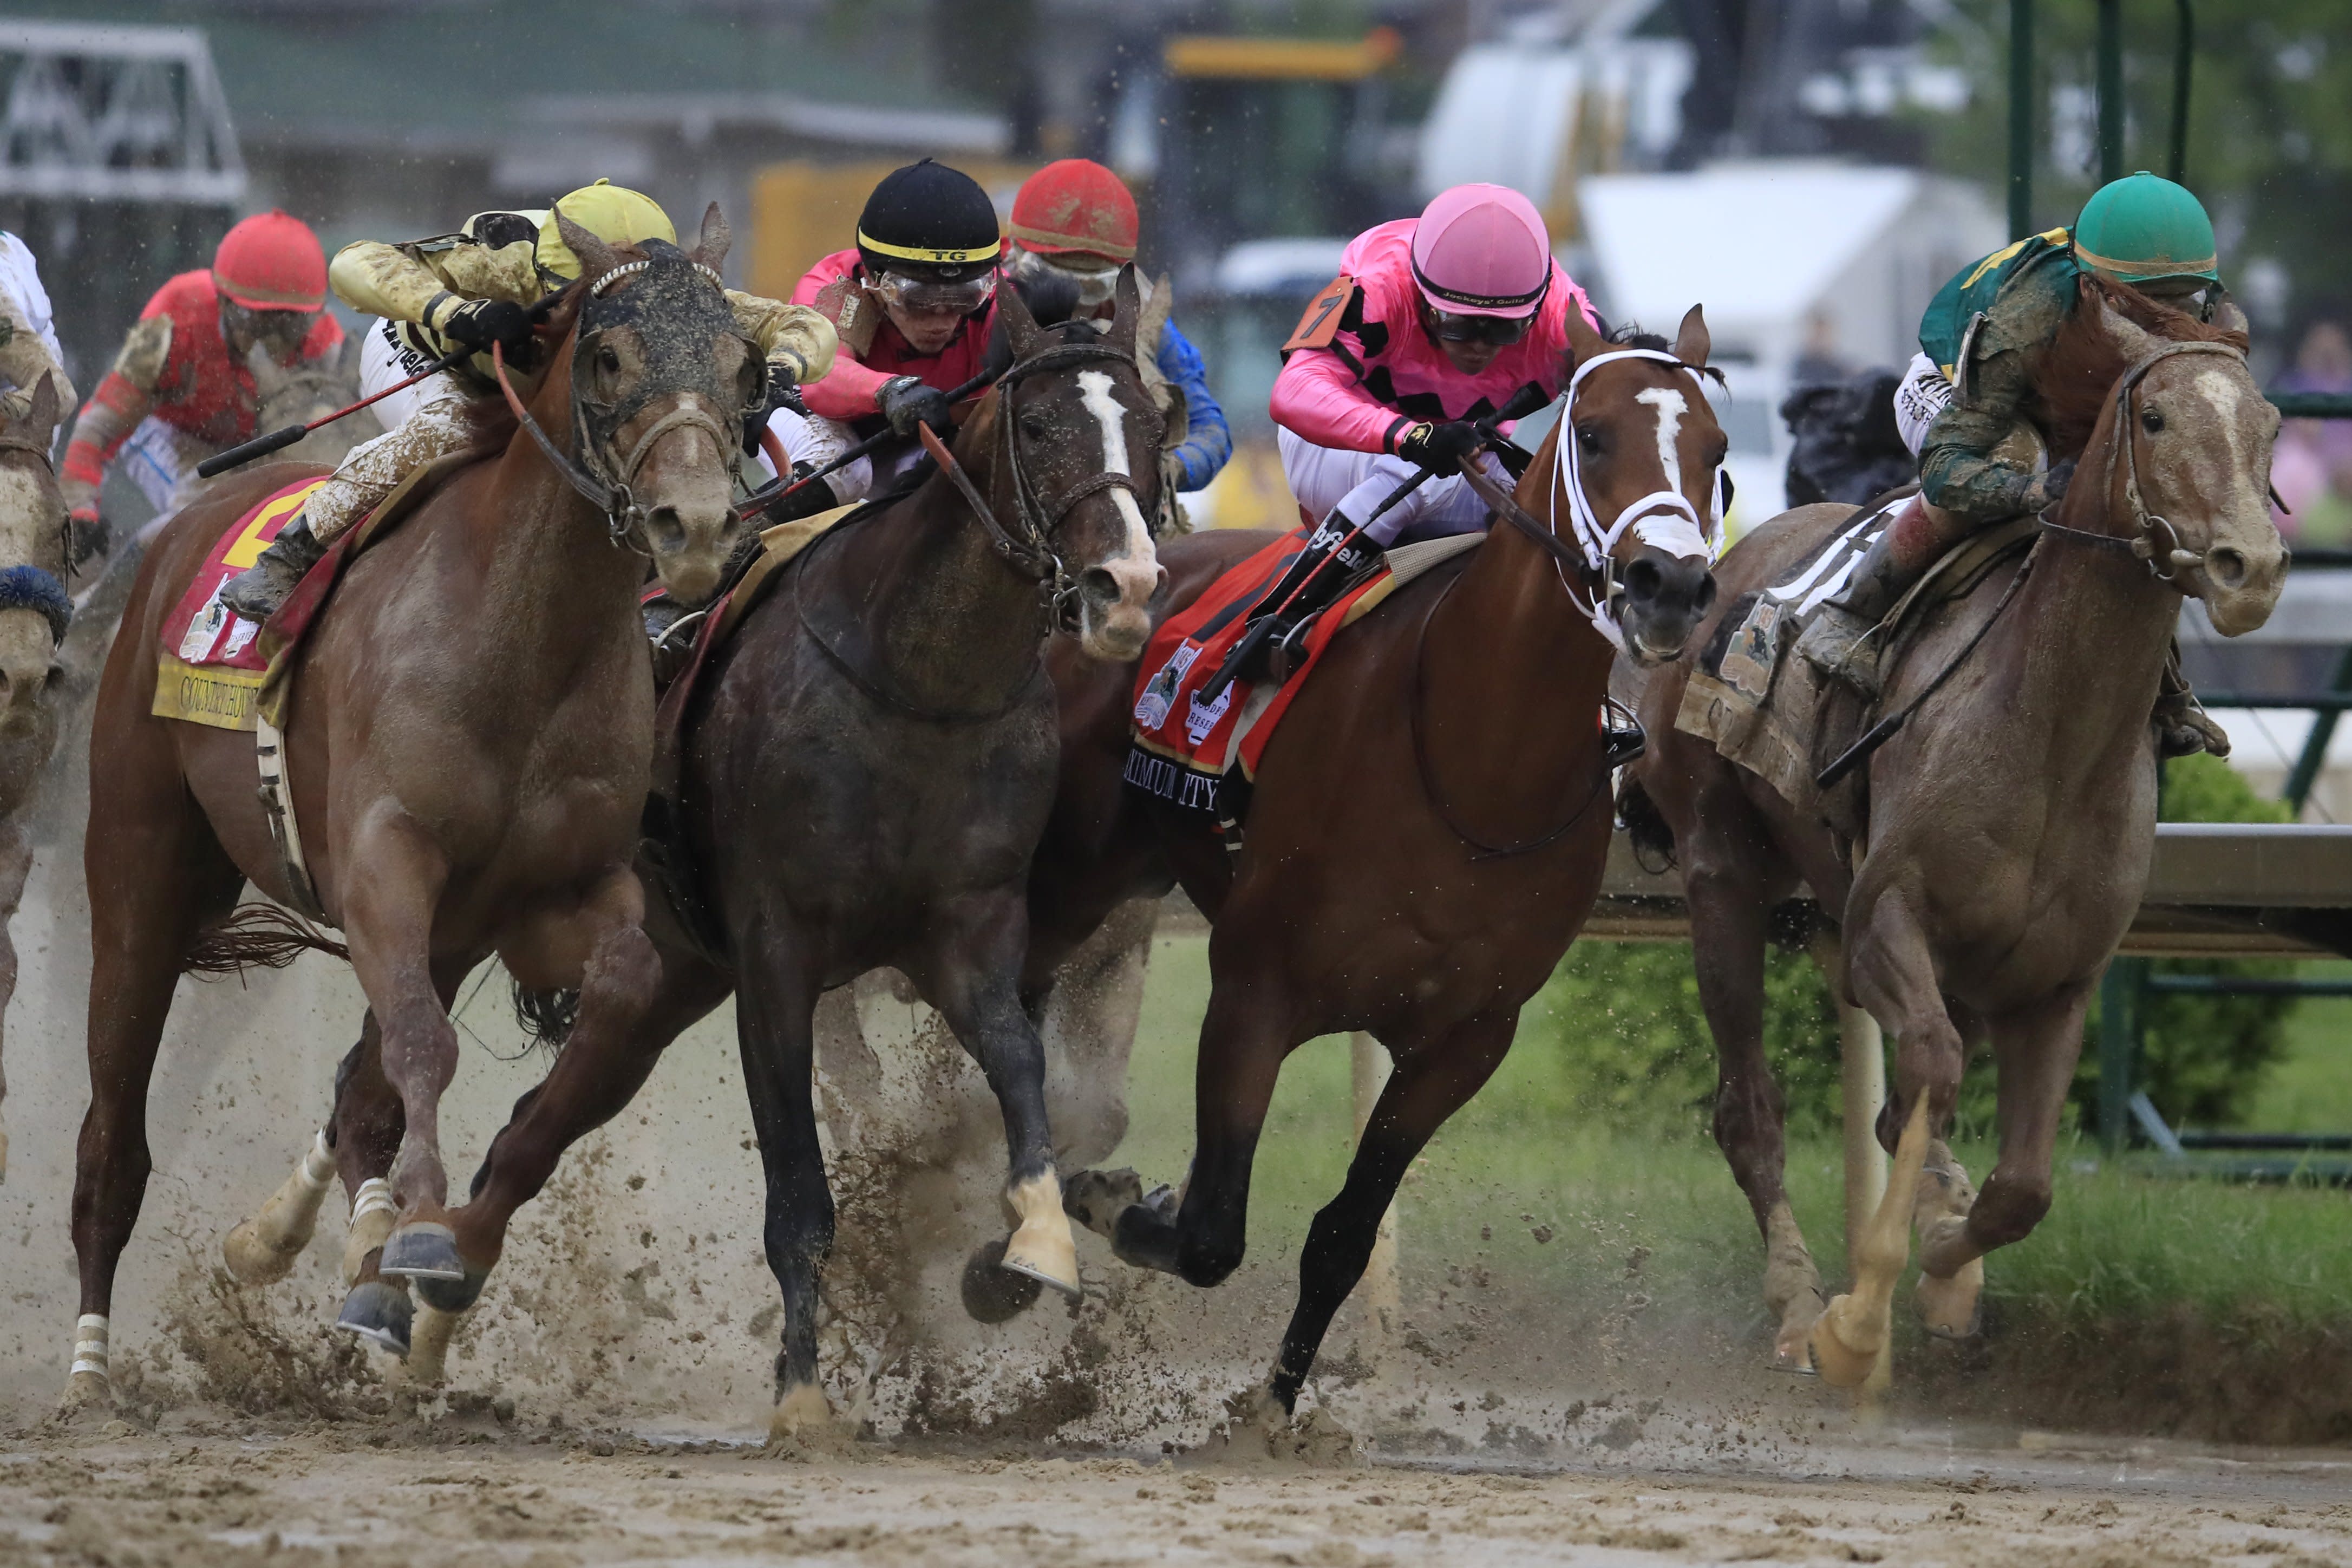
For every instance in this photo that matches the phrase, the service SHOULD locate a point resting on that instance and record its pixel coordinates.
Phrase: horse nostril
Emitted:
(664, 530)
(1704, 599)
(1642, 580)
(2225, 566)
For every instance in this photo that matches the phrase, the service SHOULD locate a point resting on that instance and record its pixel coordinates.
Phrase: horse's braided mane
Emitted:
(2084, 361)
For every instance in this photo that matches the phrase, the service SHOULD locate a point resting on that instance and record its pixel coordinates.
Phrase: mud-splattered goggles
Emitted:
(932, 295)
(1500, 330)
(1096, 283)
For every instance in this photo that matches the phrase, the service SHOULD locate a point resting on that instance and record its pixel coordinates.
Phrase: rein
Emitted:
(2166, 560)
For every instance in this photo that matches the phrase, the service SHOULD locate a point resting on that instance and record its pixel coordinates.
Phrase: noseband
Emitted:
(607, 485)
(2165, 560)
(1031, 552)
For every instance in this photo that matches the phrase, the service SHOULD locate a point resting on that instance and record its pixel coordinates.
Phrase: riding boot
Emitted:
(1840, 642)
(255, 593)
(1305, 592)
(2183, 728)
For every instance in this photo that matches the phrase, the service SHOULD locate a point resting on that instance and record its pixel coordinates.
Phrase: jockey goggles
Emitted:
(1095, 284)
(932, 295)
(1500, 330)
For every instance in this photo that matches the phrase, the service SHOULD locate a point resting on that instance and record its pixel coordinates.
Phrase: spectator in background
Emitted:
(2310, 468)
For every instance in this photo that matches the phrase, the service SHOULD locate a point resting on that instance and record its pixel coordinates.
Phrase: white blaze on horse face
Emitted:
(1094, 391)
(1671, 406)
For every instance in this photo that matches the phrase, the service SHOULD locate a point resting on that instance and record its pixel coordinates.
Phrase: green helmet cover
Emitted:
(2144, 227)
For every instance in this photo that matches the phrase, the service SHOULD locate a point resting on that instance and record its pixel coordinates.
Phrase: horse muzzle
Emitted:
(1661, 601)
(2241, 584)
(1114, 607)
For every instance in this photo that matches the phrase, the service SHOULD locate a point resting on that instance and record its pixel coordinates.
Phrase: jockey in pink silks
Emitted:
(1433, 322)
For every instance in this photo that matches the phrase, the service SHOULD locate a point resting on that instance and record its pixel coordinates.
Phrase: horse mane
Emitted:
(1630, 336)
(2084, 362)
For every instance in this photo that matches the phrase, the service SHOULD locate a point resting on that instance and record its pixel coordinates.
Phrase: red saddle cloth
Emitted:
(212, 665)
(1184, 746)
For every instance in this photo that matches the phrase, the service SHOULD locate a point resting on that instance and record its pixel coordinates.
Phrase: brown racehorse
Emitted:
(1427, 833)
(2011, 820)
(472, 734)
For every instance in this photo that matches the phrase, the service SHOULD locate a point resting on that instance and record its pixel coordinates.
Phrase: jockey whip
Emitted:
(872, 444)
(1526, 401)
(278, 440)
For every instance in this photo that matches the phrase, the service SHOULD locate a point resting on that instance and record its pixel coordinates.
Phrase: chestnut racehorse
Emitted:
(1428, 827)
(471, 733)
(2011, 819)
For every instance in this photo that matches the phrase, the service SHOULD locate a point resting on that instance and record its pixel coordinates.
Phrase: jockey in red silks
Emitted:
(182, 388)
(1433, 322)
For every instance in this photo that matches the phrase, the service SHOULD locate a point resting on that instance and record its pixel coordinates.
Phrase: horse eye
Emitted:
(2152, 422)
(608, 362)
(1588, 437)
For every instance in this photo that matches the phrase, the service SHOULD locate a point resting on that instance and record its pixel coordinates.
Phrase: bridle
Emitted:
(1030, 552)
(607, 485)
(2166, 560)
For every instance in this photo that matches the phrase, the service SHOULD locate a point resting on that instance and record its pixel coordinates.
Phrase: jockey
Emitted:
(181, 389)
(28, 333)
(1077, 219)
(914, 303)
(1433, 322)
(473, 289)
(1981, 454)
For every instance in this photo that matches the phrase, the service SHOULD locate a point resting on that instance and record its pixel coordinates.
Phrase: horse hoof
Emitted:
(379, 1314)
(802, 1424)
(86, 1391)
(1953, 1309)
(423, 1250)
(1845, 1349)
(444, 1294)
(994, 1293)
(1793, 1356)
(254, 1262)
(1094, 1198)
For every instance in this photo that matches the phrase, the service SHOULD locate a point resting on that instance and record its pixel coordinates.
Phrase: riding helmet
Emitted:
(2145, 227)
(930, 220)
(613, 214)
(271, 261)
(1482, 251)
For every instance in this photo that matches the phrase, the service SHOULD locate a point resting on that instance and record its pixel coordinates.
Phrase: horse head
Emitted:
(2185, 440)
(1083, 436)
(660, 379)
(32, 603)
(1636, 463)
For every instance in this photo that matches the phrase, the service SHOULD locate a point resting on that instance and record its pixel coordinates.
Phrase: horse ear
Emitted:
(1690, 339)
(1584, 341)
(46, 409)
(1023, 336)
(596, 257)
(1126, 309)
(2131, 339)
(710, 249)
(2229, 318)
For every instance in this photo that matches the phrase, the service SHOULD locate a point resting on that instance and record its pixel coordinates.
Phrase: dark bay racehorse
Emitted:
(2011, 820)
(867, 771)
(1428, 829)
(472, 734)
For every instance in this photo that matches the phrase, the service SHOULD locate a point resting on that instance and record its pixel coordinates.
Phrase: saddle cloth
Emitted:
(1778, 717)
(1183, 747)
(213, 668)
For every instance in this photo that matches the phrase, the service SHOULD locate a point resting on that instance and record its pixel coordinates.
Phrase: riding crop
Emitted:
(872, 444)
(1525, 401)
(277, 440)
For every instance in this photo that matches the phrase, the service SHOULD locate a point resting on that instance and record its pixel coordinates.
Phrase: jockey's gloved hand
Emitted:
(2049, 487)
(907, 403)
(87, 535)
(479, 323)
(1442, 449)
(784, 385)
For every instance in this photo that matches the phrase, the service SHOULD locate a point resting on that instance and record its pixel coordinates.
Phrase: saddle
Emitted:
(1779, 717)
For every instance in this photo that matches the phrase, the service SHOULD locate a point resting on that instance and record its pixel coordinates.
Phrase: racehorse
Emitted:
(471, 733)
(1428, 827)
(34, 611)
(2010, 818)
(869, 764)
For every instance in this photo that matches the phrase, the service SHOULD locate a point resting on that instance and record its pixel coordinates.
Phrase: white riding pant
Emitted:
(161, 458)
(1919, 396)
(420, 423)
(1325, 478)
(813, 439)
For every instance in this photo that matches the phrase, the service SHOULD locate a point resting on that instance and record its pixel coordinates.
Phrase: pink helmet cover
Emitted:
(1482, 251)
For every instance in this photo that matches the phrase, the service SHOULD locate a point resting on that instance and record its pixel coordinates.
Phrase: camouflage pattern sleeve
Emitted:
(1957, 469)
(799, 335)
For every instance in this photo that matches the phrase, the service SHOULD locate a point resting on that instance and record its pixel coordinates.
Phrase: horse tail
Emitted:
(254, 935)
(1653, 835)
(547, 1016)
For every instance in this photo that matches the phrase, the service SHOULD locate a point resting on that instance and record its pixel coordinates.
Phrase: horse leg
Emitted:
(1893, 977)
(1428, 1084)
(1728, 919)
(1087, 1021)
(15, 865)
(2034, 1052)
(972, 975)
(367, 1125)
(1947, 1307)
(262, 1250)
(154, 878)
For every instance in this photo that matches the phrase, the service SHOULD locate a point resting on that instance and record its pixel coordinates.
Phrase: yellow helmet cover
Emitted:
(613, 214)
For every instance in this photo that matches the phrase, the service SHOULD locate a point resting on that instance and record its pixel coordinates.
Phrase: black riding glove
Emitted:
(2049, 487)
(479, 323)
(1442, 449)
(784, 386)
(907, 403)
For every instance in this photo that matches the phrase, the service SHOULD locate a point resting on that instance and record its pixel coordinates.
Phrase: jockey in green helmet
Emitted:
(1966, 408)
